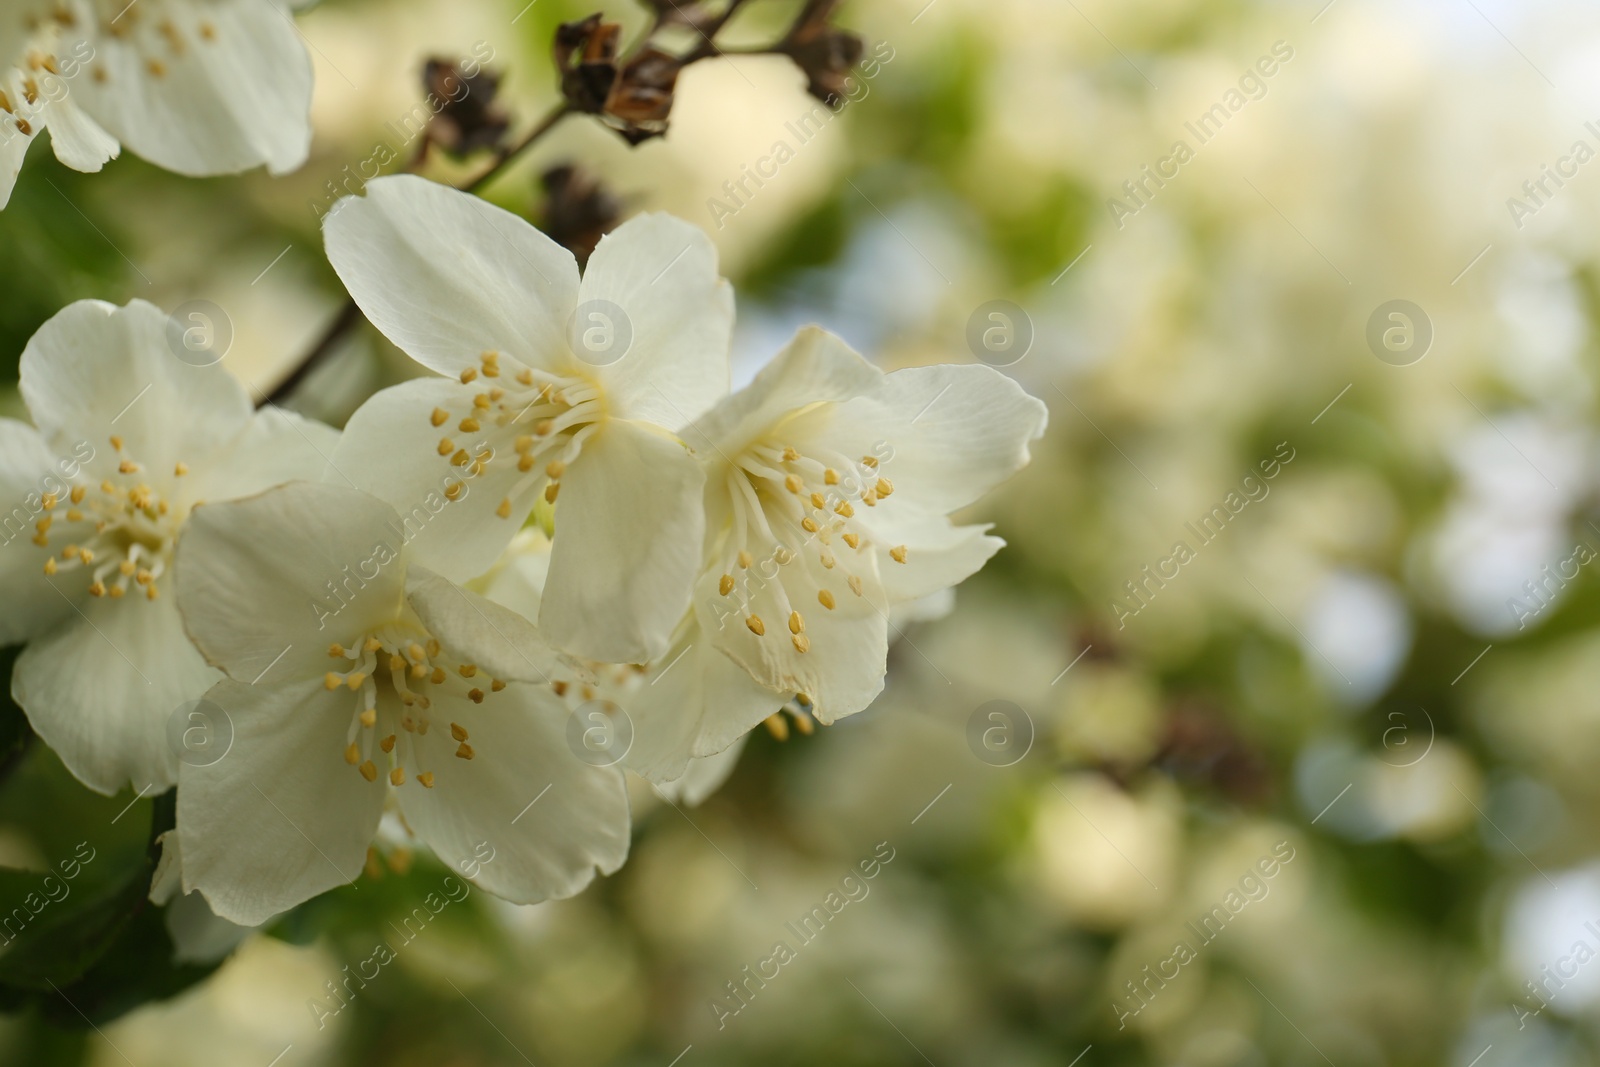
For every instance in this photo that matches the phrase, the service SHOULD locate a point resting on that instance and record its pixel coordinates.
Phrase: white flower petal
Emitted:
(281, 817)
(77, 140)
(390, 450)
(253, 577)
(957, 431)
(662, 273)
(28, 470)
(814, 368)
(95, 370)
(847, 648)
(275, 446)
(695, 703)
(13, 150)
(549, 818)
(100, 687)
(629, 524)
(447, 276)
(476, 630)
(703, 776)
(226, 88)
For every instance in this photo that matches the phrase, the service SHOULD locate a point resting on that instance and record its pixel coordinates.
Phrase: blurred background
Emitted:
(1271, 737)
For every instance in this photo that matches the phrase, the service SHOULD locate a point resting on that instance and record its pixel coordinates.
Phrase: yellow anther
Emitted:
(898, 553)
(397, 776)
(460, 458)
(469, 425)
(107, 487)
(464, 751)
(495, 685)
(446, 446)
(808, 524)
(825, 598)
(439, 417)
(97, 589)
(797, 624)
(525, 376)
(116, 442)
(128, 466)
(355, 680)
(77, 494)
(74, 515)
(853, 540)
(543, 427)
(793, 483)
(437, 676)
(467, 670)
(331, 681)
(830, 476)
(745, 559)
(180, 468)
(468, 375)
(151, 592)
(475, 695)
(789, 454)
(757, 627)
(116, 592)
(726, 585)
(419, 670)
(335, 650)
(387, 744)
(50, 565)
(559, 687)
(804, 724)
(525, 464)
(802, 643)
(434, 647)
(369, 771)
(426, 778)
(352, 754)
(490, 357)
(48, 501)
(870, 498)
(550, 492)
(454, 490)
(482, 401)
(504, 510)
(555, 469)
(71, 552)
(523, 443)
(884, 487)
(397, 662)
(818, 500)
(777, 726)
(855, 584)
(372, 644)
(871, 462)
(369, 717)
(844, 508)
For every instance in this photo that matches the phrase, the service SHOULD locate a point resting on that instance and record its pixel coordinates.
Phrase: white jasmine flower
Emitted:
(196, 86)
(828, 490)
(687, 712)
(128, 439)
(558, 385)
(359, 678)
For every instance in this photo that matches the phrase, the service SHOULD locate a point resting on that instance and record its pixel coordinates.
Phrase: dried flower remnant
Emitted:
(825, 53)
(579, 209)
(471, 117)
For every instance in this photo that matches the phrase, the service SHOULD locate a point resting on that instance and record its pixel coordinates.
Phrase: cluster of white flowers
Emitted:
(196, 86)
(573, 518)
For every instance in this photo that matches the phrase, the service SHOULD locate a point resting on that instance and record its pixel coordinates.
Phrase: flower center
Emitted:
(395, 672)
(123, 530)
(545, 416)
(781, 496)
